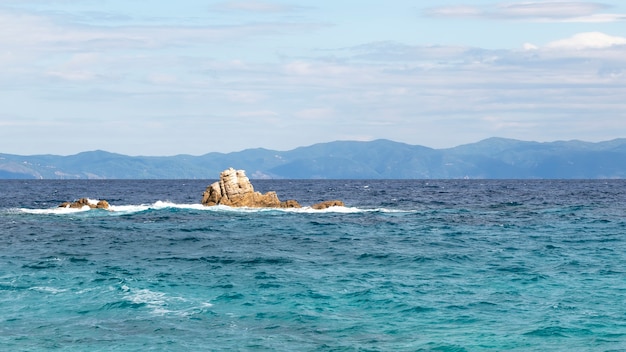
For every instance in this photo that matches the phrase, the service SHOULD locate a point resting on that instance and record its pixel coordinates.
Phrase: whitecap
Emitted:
(160, 303)
(55, 211)
(126, 209)
(162, 205)
(61, 210)
(158, 205)
(154, 300)
(46, 289)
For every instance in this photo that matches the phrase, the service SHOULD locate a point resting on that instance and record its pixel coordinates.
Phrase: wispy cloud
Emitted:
(32, 31)
(548, 11)
(254, 6)
(258, 76)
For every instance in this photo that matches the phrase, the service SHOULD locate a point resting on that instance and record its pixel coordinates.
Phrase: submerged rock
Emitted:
(234, 189)
(102, 204)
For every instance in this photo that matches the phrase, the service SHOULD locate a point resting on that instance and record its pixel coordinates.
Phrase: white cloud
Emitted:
(529, 46)
(589, 40)
(30, 32)
(254, 6)
(393, 51)
(427, 94)
(455, 11)
(549, 9)
(318, 69)
(596, 18)
(546, 11)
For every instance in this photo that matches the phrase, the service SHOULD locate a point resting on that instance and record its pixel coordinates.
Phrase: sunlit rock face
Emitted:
(234, 189)
(85, 202)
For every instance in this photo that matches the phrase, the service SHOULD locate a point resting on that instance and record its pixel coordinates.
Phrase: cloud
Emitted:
(595, 45)
(254, 6)
(222, 78)
(458, 11)
(317, 69)
(245, 97)
(395, 51)
(548, 11)
(24, 31)
(589, 40)
(315, 114)
(498, 123)
(33, 45)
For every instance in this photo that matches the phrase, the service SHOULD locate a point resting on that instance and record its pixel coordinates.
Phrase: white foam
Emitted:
(55, 211)
(61, 210)
(160, 205)
(128, 208)
(335, 209)
(93, 201)
(145, 296)
(161, 304)
(46, 289)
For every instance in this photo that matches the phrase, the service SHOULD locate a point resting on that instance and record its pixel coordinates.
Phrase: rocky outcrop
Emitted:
(84, 202)
(234, 189)
(328, 204)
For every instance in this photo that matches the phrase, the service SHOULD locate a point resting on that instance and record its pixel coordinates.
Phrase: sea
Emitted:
(406, 265)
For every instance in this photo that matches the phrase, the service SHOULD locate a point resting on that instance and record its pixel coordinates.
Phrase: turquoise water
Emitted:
(405, 266)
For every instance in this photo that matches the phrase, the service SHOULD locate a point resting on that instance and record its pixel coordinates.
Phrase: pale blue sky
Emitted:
(192, 77)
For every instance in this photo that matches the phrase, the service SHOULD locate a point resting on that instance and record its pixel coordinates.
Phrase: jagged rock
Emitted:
(103, 204)
(328, 204)
(290, 203)
(234, 189)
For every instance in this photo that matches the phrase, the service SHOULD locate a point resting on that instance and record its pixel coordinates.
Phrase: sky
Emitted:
(164, 77)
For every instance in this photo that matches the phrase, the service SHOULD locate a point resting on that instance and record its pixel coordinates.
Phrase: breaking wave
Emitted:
(166, 205)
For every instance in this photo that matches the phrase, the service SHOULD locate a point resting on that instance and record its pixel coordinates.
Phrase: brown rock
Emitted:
(290, 203)
(234, 189)
(103, 204)
(328, 204)
(80, 203)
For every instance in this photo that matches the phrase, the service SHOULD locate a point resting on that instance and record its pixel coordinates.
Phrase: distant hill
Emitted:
(495, 158)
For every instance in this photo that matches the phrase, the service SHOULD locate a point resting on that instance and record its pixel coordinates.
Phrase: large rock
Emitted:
(234, 189)
(84, 202)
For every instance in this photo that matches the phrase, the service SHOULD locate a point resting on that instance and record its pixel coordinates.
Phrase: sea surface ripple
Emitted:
(419, 265)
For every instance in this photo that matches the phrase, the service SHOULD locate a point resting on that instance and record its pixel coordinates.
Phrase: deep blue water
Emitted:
(416, 265)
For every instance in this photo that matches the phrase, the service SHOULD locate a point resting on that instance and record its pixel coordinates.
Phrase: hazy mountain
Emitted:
(384, 159)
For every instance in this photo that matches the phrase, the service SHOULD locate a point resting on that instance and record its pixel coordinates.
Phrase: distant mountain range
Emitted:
(493, 158)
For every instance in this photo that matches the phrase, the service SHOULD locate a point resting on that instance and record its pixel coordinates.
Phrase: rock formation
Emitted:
(328, 204)
(234, 189)
(103, 204)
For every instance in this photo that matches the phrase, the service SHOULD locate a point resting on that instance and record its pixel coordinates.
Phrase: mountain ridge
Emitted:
(493, 157)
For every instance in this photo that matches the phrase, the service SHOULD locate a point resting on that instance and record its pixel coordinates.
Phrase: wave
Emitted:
(166, 205)
(159, 303)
